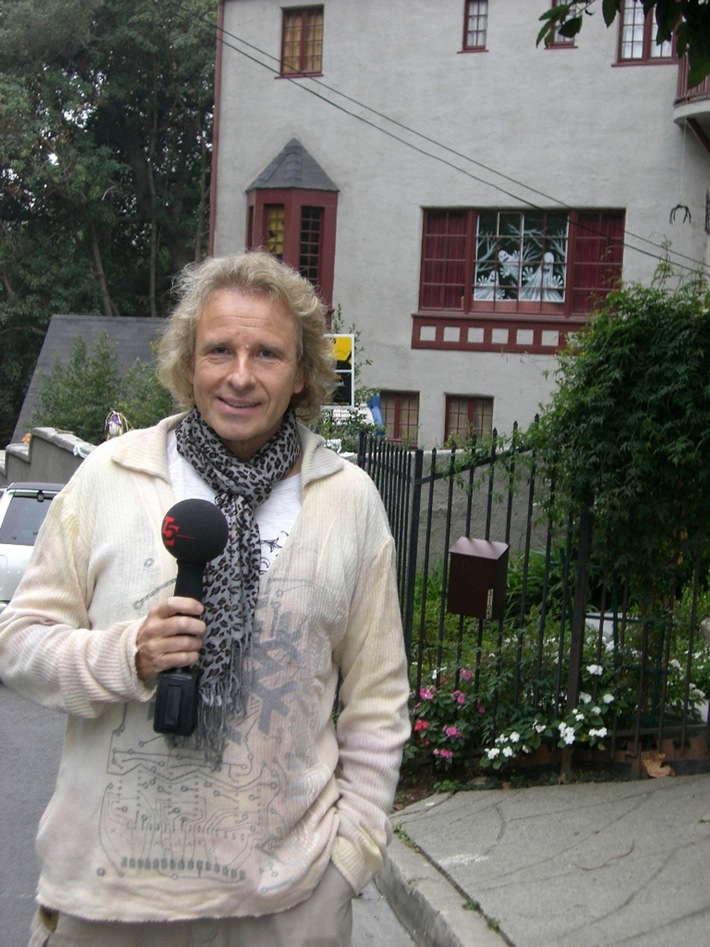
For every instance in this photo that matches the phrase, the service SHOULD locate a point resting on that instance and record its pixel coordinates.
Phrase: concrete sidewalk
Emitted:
(583, 865)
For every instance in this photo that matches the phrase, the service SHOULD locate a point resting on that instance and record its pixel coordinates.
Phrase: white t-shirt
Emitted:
(275, 516)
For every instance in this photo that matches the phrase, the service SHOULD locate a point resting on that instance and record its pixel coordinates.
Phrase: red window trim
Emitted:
(584, 278)
(294, 200)
(303, 11)
(648, 42)
(465, 48)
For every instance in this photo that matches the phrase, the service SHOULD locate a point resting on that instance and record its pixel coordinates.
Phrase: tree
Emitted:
(106, 111)
(626, 436)
(688, 20)
(78, 396)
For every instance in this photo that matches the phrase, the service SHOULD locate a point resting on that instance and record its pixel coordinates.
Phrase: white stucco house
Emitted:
(461, 194)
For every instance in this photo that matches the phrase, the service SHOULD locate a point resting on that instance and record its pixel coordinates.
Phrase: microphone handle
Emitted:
(177, 694)
(189, 579)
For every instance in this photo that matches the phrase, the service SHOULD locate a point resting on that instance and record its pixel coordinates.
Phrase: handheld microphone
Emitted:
(194, 531)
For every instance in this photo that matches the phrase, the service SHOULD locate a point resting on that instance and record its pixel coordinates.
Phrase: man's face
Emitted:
(245, 367)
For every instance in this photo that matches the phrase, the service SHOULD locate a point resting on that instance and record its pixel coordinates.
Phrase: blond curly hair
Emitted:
(253, 271)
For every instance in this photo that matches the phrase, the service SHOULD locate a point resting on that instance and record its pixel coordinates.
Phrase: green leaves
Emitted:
(627, 432)
(77, 397)
(105, 153)
(687, 20)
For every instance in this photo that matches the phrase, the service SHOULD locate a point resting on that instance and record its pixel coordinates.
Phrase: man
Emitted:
(260, 827)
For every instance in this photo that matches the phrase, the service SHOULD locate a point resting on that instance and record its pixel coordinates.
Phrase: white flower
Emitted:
(596, 711)
(675, 663)
(579, 717)
(492, 753)
(585, 698)
(608, 698)
(514, 737)
(507, 751)
(567, 733)
(595, 669)
(539, 727)
(601, 732)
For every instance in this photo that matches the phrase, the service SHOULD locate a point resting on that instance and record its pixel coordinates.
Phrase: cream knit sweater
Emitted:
(141, 830)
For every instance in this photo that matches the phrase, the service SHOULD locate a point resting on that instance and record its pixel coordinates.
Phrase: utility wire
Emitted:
(312, 85)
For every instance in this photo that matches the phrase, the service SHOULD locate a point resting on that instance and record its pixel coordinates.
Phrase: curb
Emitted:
(429, 907)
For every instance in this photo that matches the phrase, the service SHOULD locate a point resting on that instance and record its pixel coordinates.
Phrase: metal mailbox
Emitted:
(478, 574)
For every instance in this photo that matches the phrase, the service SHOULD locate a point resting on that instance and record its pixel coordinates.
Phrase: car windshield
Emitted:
(23, 520)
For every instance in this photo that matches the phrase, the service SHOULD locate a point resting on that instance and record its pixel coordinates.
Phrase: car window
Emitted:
(23, 519)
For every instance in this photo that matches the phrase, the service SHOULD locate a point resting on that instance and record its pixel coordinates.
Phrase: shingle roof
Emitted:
(292, 168)
(130, 337)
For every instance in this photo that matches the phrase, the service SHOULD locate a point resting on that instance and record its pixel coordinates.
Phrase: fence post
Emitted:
(412, 551)
(577, 629)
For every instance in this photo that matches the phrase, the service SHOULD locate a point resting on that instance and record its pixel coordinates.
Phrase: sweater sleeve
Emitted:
(373, 723)
(48, 651)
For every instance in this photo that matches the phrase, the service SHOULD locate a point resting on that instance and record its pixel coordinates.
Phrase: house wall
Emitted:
(499, 128)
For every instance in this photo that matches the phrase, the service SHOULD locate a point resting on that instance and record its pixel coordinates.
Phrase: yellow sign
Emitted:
(344, 355)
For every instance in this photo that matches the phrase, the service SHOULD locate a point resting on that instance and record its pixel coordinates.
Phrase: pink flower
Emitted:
(444, 754)
(421, 725)
(427, 693)
(459, 697)
(452, 732)
(466, 675)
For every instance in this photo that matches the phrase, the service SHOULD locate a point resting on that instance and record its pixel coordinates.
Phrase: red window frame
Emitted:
(475, 12)
(559, 41)
(307, 241)
(400, 413)
(592, 267)
(302, 27)
(651, 53)
(467, 417)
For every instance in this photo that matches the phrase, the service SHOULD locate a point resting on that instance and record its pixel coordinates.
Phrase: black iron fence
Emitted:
(568, 640)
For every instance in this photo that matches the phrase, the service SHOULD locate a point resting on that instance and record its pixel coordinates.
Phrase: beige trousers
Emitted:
(325, 920)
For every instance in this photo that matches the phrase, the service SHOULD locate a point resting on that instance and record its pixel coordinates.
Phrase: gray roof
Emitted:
(294, 167)
(131, 338)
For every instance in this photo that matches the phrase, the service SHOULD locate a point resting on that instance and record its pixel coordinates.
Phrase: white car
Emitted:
(23, 507)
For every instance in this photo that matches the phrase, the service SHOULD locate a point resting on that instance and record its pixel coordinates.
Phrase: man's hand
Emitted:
(169, 637)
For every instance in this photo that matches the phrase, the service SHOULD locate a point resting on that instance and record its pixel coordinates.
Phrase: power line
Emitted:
(309, 84)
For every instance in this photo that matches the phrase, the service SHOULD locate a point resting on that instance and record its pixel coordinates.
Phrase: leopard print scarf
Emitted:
(231, 582)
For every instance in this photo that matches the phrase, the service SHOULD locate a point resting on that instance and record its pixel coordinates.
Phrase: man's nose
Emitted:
(240, 371)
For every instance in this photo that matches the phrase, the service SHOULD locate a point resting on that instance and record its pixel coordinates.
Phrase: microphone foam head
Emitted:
(194, 531)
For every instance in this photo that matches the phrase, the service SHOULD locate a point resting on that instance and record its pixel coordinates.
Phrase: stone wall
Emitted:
(51, 456)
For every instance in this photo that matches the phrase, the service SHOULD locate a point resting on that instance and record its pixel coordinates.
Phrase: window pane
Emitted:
(558, 39)
(632, 31)
(310, 243)
(520, 256)
(638, 32)
(599, 245)
(314, 42)
(302, 41)
(476, 24)
(275, 220)
(292, 29)
(400, 413)
(467, 418)
(443, 259)
(664, 51)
